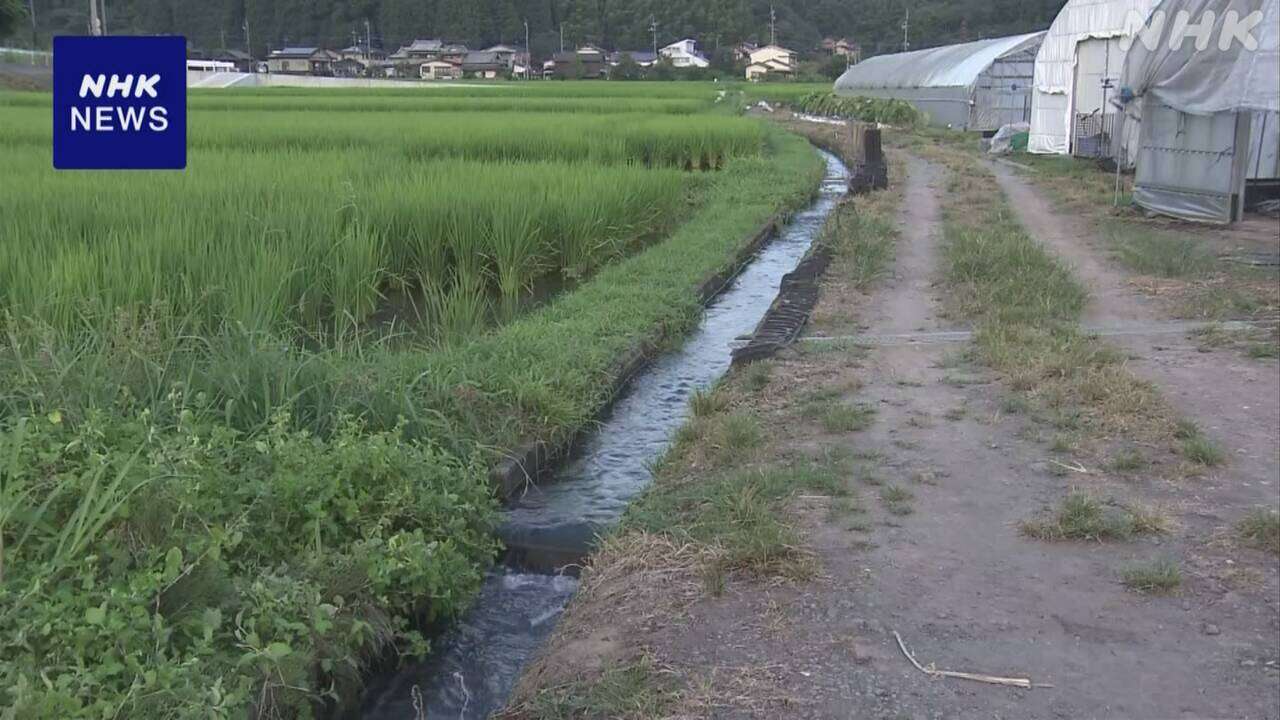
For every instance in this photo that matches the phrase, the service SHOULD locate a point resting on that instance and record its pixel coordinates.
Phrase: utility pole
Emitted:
(95, 24)
(906, 27)
(653, 28)
(368, 41)
(561, 37)
(248, 46)
(528, 52)
(102, 10)
(35, 36)
(773, 26)
(223, 35)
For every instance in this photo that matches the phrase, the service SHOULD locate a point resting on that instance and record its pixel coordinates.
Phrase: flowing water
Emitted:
(477, 663)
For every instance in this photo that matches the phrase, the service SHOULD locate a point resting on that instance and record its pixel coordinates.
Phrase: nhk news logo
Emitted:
(119, 103)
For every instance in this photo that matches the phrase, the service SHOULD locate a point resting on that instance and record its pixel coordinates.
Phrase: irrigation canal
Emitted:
(477, 662)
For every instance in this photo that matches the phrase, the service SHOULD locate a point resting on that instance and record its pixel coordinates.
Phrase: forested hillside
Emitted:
(801, 24)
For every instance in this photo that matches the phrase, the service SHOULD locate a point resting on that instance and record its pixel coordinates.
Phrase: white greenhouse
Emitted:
(1207, 120)
(978, 86)
(1077, 76)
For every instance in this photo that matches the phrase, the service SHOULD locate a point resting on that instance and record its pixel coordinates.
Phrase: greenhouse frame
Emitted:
(977, 86)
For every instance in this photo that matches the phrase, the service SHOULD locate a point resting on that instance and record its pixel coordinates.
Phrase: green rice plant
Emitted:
(513, 243)
(243, 239)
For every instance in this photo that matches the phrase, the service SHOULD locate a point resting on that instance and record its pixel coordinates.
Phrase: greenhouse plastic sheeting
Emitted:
(1214, 79)
(938, 81)
(1207, 114)
(1002, 92)
(1051, 100)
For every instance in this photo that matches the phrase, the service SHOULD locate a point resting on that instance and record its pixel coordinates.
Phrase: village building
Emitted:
(510, 56)
(587, 62)
(844, 48)
(643, 58)
(240, 60)
(409, 59)
(742, 52)
(363, 54)
(771, 60)
(684, 54)
(439, 70)
(302, 61)
(484, 65)
(347, 67)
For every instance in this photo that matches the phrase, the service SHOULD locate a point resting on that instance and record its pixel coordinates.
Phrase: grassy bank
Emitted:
(217, 519)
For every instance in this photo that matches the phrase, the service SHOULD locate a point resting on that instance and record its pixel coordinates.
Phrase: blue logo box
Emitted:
(119, 103)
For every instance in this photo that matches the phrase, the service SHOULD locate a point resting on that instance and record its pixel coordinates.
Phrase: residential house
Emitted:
(408, 60)
(243, 61)
(302, 61)
(643, 58)
(365, 55)
(845, 48)
(742, 52)
(484, 65)
(348, 68)
(454, 52)
(771, 60)
(439, 70)
(684, 54)
(510, 55)
(421, 50)
(583, 63)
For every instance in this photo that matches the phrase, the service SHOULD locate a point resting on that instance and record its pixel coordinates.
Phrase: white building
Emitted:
(684, 54)
(1077, 76)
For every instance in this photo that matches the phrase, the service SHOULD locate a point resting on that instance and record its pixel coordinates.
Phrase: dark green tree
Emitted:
(12, 14)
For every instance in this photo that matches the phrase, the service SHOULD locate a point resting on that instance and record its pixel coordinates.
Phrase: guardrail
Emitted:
(18, 56)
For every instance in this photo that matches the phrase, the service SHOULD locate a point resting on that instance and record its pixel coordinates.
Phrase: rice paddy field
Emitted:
(248, 410)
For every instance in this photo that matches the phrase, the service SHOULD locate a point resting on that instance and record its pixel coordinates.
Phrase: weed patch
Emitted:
(1082, 516)
(1157, 577)
(741, 514)
(1261, 529)
(628, 692)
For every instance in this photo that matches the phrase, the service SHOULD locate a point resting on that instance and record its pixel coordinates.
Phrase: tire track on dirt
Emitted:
(1235, 399)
